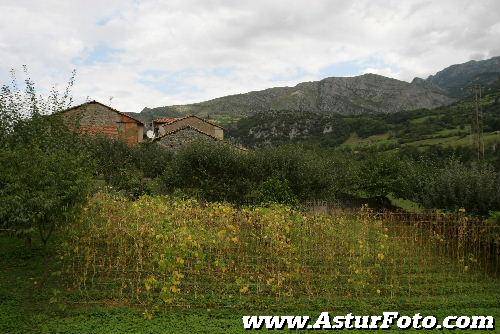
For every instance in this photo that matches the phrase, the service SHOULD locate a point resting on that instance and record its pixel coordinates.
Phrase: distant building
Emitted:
(96, 118)
(162, 126)
(176, 133)
(184, 136)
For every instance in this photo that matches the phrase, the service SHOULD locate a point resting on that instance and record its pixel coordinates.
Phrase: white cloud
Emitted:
(385, 71)
(153, 53)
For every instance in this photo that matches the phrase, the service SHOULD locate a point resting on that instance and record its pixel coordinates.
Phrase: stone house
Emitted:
(184, 136)
(176, 133)
(96, 118)
(162, 126)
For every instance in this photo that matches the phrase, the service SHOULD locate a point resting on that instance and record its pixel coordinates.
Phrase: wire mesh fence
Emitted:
(183, 253)
(467, 240)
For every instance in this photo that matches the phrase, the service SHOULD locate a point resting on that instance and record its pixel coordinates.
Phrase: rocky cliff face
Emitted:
(376, 93)
(345, 95)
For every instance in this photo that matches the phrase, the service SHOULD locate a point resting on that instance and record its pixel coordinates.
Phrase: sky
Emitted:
(135, 54)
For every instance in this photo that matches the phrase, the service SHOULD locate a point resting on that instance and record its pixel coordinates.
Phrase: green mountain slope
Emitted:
(364, 112)
(442, 126)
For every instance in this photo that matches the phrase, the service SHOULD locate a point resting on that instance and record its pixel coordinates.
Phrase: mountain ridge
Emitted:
(344, 95)
(455, 79)
(366, 93)
(446, 126)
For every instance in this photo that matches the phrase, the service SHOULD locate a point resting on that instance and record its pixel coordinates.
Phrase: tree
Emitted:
(378, 175)
(44, 175)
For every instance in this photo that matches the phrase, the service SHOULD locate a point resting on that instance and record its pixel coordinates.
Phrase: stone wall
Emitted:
(95, 119)
(182, 138)
(196, 123)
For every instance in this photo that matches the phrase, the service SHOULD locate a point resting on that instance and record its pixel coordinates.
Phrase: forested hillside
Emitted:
(455, 78)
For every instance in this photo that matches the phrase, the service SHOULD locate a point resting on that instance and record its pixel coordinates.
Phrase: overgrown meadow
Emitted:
(160, 252)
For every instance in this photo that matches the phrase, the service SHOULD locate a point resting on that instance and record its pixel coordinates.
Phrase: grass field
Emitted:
(29, 306)
(444, 138)
(33, 300)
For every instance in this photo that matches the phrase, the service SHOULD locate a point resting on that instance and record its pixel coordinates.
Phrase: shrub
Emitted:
(273, 190)
(377, 175)
(151, 159)
(454, 185)
(224, 173)
(214, 172)
(127, 169)
(310, 175)
(41, 187)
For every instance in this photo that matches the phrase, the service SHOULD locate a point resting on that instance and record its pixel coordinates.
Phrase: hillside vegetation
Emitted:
(455, 78)
(447, 126)
(359, 113)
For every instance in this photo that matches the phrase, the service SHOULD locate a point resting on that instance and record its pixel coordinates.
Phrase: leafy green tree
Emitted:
(212, 171)
(117, 164)
(273, 190)
(378, 175)
(151, 159)
(44, 173)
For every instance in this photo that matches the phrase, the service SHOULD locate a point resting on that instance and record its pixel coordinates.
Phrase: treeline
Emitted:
(294, 174)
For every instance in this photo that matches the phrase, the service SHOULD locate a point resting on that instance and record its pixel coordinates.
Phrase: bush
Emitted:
(45, 177)
(210, 171)
(151, 159)
(127, 169)
(455, 185)
(273, 190)
(310, 175)
(378, 175)
(224, 173)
